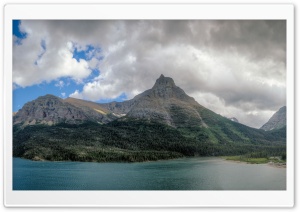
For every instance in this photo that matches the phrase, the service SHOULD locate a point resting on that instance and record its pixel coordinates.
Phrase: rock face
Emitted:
(277, 121)
(164, 102)
(51, 110)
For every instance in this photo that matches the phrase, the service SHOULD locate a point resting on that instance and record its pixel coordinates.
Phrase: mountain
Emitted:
(162, 122)
(164, 102)
(52, 110)
(277, 121)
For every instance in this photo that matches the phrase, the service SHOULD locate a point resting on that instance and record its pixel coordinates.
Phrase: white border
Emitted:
(147, 198)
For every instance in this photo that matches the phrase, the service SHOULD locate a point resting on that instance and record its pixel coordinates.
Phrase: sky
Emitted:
(236, 68)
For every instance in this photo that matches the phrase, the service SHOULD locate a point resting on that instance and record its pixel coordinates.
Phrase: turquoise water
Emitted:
(179, 174)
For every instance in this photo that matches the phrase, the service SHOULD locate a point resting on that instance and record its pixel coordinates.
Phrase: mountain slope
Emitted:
(277, 121)
(92, 110)
(131, 140)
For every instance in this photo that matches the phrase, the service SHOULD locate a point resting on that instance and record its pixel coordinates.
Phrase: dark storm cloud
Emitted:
(256, 39)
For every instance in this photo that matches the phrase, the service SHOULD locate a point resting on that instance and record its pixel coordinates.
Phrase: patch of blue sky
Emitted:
(44, 48)
(87, 54)
(61, 88)
(94, 73)
(17, 32)
(120, 98)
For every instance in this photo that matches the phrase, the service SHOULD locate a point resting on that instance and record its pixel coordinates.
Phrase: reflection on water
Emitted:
(179, 174)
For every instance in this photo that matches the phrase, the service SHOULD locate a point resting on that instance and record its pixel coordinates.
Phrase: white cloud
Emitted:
(98, 90)
(76, 95)
(54, 64)
(60, 84)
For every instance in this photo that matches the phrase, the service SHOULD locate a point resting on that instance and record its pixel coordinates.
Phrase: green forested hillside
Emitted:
(139, 140)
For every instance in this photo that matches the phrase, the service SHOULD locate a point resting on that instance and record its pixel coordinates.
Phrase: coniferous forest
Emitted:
(137, 141)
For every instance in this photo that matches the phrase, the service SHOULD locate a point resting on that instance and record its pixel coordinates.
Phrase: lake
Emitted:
(197, 173)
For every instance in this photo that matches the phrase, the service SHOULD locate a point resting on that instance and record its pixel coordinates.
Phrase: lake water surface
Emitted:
(179, 174)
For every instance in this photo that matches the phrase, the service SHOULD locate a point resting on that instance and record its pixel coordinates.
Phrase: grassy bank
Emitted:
(250, 160)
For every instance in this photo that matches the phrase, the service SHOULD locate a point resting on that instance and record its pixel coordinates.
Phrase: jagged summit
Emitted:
(277, 121)
(166, 88)
(163, 81)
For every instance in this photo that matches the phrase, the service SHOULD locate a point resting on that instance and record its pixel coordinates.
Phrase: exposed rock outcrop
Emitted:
(277, 121)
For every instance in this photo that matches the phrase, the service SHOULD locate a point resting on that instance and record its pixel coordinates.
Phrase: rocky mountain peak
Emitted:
(164, 82)
(277, 121)
(163, 92)
(165, 88)
(165, 102)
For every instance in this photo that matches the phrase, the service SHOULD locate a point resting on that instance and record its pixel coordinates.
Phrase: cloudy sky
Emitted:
(235, 68)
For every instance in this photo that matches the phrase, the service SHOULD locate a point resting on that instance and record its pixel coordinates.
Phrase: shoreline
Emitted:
(277, 165)
(223, 158)
(269, 163)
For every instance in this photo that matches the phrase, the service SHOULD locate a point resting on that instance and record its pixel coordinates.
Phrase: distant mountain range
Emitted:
(162, 122)
(277, 121)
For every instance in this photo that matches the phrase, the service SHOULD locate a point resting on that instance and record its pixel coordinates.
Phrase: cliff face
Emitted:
(277, 121)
